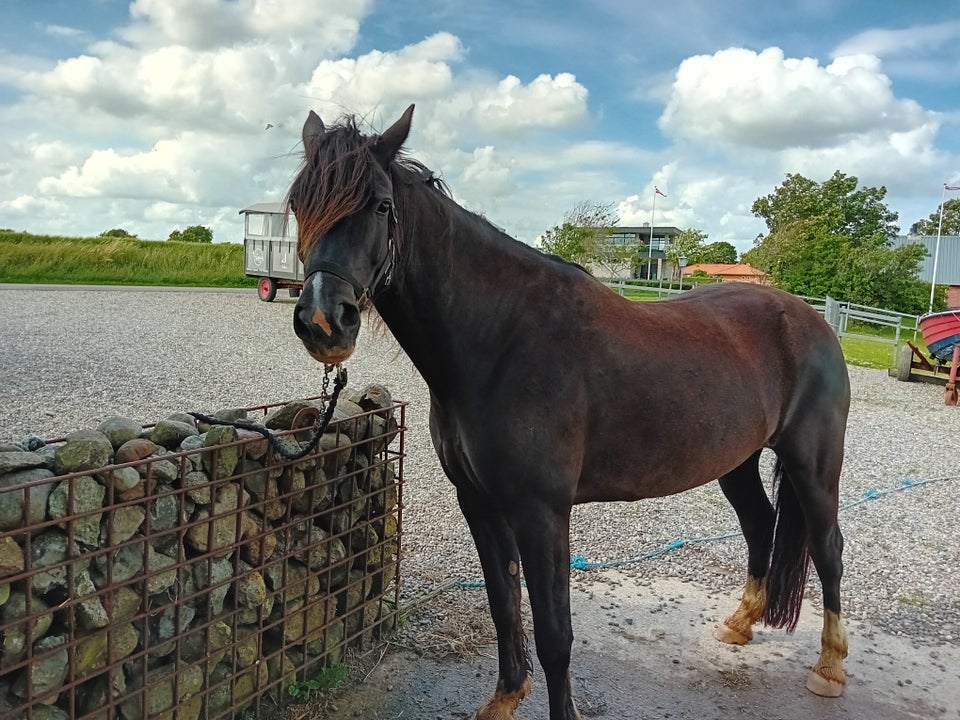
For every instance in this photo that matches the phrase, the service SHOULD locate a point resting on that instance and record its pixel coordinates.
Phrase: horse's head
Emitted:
(344, 205)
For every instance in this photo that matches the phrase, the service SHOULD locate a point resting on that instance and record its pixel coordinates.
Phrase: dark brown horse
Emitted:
(547, 389)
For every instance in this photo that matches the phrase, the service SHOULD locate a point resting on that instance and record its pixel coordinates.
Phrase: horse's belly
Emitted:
(633, 474)
(636, 488)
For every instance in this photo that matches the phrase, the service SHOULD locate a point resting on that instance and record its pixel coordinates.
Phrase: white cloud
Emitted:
(600, 153)
(897, 160)
(883, 41)
(485, 175)
(192, 168)
(227, 66)
(703, 197)
(109, 173)
(210, 24)
(385, 80)
(64, 33)
(28, 206)
(190, 115)
(547, 101)
(763, 100)
(168, 212)
(53, 153)
(228, 90)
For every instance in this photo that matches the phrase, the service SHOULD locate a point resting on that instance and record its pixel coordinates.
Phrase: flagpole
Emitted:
(650, 244)
(936, 252)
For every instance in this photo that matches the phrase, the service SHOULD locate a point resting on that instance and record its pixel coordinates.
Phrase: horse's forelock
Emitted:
(335, 182)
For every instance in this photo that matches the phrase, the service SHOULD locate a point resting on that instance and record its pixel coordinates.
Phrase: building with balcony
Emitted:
(651, 244)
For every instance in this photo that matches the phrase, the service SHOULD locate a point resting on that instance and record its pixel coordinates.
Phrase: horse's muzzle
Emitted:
(329, 335)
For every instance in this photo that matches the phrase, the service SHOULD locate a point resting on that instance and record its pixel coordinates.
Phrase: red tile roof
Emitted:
(725, 270)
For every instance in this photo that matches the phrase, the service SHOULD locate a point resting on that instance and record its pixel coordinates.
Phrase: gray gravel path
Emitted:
(69, 357)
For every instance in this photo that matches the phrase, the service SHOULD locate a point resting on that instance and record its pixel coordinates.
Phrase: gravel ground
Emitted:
(69, 357)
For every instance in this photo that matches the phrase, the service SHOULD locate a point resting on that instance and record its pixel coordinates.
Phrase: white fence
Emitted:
(840, 315)
(649, 287)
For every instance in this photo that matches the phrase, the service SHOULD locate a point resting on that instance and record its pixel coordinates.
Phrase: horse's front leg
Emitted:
(543, 536)
(500, 559)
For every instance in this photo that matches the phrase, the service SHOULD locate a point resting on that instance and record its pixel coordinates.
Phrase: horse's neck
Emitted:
(448, 310)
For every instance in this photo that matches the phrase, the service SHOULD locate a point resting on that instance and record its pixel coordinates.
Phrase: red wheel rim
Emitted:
(264, 287)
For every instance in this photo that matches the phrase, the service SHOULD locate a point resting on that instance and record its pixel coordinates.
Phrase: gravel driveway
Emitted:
(69, 357)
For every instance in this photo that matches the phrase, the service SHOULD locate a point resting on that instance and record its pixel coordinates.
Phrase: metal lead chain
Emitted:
(319, 427)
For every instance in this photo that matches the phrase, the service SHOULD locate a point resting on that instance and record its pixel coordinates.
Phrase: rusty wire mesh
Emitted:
(207, 587)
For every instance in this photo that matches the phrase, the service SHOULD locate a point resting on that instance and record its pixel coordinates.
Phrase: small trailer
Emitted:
(941, 334)
(270, 249)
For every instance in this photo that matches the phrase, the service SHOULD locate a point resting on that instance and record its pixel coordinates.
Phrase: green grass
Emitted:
(867, 353)
(328, 680)
(27, 258)
(878, 353)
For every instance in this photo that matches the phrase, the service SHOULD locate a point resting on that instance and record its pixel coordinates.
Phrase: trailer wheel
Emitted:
(904, 361)
(294, 292)
(267, 289)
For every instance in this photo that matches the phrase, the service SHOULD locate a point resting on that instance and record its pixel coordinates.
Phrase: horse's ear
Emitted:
(391, 140)
(313, 131)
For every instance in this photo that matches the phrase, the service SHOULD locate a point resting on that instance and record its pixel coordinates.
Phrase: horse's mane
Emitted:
(337, 178)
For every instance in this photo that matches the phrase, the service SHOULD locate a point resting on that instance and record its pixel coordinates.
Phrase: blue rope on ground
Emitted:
(579, 562)
(471, 584)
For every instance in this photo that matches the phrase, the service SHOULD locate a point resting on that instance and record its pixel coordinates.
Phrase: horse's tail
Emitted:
(790, 560)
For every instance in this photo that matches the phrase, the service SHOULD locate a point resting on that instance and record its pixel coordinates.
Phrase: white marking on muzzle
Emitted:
(319, 317)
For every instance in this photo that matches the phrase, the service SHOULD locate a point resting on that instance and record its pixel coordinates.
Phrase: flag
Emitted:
(657, 191)
(945, 187)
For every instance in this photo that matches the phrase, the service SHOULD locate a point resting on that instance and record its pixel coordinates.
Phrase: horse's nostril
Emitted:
(301, 318)
(348, 316)
(301, 322)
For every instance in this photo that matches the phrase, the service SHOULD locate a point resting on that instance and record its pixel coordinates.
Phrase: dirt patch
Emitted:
(648, 652)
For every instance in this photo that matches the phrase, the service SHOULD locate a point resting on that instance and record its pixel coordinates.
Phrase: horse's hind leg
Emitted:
(815, 480)
(825, 540)
(743, 488)
(501, 571)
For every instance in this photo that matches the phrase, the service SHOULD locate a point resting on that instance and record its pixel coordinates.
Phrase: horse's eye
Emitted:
(384, 207)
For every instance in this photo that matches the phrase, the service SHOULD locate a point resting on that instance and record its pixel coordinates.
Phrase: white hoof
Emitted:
(726, 634)
(819, 685)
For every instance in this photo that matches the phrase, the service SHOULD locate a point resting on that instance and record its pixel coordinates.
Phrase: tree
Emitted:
(691, 244)
(840, 207)
(584, 237)
(833, 238)
(887, 278)
(117, 233)
(951, 220)
(194, 233)
(688, 244)
(567, 241)
(720, 252)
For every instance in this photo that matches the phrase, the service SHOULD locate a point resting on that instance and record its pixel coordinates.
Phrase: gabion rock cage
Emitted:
(180, 571)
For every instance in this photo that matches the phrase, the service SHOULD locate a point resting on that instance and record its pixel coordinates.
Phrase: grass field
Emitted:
(867, 353)
(27, 258)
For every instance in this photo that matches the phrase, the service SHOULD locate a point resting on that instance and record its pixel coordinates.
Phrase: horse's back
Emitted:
(692, 386)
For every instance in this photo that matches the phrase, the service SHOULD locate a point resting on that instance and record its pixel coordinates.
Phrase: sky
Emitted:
(155, 115)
